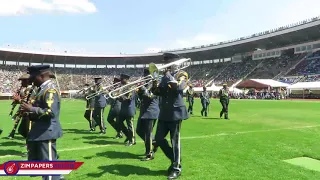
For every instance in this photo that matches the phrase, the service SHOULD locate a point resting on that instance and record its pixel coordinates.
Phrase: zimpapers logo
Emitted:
(29, 168)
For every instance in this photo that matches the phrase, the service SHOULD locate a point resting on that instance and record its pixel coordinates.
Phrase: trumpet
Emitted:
(154, 76)
(90, 96)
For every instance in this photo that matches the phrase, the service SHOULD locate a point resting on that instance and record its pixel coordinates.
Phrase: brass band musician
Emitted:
(172, 112)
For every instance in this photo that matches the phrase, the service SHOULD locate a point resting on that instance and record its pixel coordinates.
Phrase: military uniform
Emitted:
(99, 106)
(127, 112)
(224, 100)
(26, 123)
(149, 113)
(113, 116)
(16, 117)
(205, 101)
(44, 114)
(190, 99)
(25, 93)
(172, 112)
(90, 103)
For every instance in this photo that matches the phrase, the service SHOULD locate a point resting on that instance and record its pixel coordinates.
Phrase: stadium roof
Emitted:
(260, 83)
(305, 85)
(305, 31)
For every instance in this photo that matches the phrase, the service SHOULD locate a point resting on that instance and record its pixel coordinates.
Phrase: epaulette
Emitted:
(51, 90)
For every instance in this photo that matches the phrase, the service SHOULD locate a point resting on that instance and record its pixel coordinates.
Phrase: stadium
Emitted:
(274, 80)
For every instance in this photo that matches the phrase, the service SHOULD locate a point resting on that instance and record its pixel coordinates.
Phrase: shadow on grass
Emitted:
(212, 118)
(126, 170)
(96, 137)
(16, 137)
(77, 131)
(115, 155)
(11, 143)
(103, 142)
(10, 152)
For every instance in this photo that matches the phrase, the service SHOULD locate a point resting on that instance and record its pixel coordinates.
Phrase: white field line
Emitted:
(184, 138)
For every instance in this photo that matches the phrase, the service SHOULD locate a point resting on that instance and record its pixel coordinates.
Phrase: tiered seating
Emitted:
(235, 71)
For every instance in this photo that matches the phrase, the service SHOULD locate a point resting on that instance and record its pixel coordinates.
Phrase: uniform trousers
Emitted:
(190, 107)
(128, 131)
(225, 104)
(43, 151)
(144, 131)
(89, 117)
(174, 152)
(24, 126)
(113, 119)
(98, 116)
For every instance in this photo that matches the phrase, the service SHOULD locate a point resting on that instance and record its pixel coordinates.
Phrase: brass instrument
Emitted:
(154, 76)
(90, 96)
(86, 88)
(14, 103)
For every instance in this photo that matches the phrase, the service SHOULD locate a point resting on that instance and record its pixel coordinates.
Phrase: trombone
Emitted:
(90, 96)
(86, 88)
(154, 75)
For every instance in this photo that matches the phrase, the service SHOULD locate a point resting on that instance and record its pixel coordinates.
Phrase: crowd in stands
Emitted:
(229, 72)
(236, 71)
(310, 65)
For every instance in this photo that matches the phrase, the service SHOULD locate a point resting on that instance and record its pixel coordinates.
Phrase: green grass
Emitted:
(252, 145)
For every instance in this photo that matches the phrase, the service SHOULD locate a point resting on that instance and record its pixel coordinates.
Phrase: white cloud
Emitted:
(19, 7)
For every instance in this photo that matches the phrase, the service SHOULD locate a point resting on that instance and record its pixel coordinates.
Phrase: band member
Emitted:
(190, 98)
(90, 108)
(149, 113)
(44, 113)
(224, 100)
(99, 105)
(19, 99)
(127, 112)
(205, 101)
(113, 116)
(172, 112)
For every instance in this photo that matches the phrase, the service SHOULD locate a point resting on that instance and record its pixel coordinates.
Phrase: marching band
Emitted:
(160, 91)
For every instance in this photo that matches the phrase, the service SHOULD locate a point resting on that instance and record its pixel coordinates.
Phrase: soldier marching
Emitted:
(172, 112)
(224, 100)
(190, 98)
(161, 99)
(100, 102)
(90, 103)
(26, 92)
(149, 113)
(127, 112)
(44, 112)
(205, 101)
(114, 112)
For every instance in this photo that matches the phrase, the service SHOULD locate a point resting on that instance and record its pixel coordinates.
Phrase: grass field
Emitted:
(250, 146)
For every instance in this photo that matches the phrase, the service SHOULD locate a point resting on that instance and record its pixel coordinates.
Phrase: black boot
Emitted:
(221, 113)
(174, 175)
(148, 157)
(11, 135)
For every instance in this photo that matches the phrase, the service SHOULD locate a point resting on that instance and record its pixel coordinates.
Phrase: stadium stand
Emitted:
(284, 54)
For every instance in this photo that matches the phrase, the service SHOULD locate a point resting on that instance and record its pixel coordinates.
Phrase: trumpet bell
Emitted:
(182, 73)
(154, 71)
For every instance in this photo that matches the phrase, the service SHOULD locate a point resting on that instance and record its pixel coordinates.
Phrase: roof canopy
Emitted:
(305, 85)
(261, 83)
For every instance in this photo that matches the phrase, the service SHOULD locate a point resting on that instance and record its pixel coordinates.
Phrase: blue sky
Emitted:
(140, 26)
